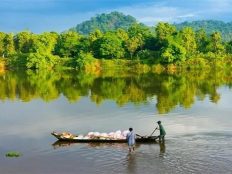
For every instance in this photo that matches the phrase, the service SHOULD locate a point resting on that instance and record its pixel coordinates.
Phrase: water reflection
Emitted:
(162, 149)
(170, 90)
(131, 163)
(62, 144)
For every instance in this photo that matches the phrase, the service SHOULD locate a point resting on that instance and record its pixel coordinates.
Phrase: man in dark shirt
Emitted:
(162, 131)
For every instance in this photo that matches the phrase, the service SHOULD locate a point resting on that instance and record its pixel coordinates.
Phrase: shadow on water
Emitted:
(64, 144)
(119, 159)
(162, 149)
(131, 162)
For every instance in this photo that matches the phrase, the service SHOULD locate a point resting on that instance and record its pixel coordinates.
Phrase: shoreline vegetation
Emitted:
(137, 48)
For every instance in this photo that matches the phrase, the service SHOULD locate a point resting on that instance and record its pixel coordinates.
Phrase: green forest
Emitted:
(135, 46)
(210, 26)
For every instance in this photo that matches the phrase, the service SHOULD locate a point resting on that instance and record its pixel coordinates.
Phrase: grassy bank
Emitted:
(93, 65)
(137, 66)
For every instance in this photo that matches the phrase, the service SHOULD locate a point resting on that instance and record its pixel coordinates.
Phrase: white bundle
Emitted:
(118, 132)
(112, 135)
(90, 134)
(125, 132)
(118, 136)
(96, 134)
(105, 135)
(121, 137)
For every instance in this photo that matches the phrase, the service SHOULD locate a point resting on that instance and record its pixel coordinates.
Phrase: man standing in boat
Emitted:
(162, 131)
(131, 139)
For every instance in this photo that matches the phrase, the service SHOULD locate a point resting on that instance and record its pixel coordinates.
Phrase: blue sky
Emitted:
(59, 15)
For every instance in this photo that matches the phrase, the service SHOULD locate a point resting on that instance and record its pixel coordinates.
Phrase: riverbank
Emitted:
(141, 66)
(94, 65)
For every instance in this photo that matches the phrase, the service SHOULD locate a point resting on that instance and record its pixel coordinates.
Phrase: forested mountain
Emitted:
(105, 22)
(210, 26)
(114, 20)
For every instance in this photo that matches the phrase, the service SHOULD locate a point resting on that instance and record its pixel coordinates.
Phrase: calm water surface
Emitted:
(195, 109)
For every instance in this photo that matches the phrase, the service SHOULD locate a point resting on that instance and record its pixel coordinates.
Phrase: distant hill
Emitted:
(114, 20)
(105, 22)
(210, 26)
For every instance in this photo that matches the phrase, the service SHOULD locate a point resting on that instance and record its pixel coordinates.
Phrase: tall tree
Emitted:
(110, 46)
(164, 30)
(95, 35)
(2, 45)
(67, 44)
(9, 44)
(23, 42)
(201, 40)
(229, 47)
(188, 40)
(45, 42)
(215, 43)
(122, 34)
(173, 52)
(140, 32)
(132, 44)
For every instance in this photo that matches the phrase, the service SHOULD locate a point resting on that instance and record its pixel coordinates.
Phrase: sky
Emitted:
(58, 15)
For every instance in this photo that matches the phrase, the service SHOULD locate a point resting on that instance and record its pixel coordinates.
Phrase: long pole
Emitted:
(153, 132)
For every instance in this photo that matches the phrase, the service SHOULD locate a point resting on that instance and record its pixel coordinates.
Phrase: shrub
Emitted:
(41, 61)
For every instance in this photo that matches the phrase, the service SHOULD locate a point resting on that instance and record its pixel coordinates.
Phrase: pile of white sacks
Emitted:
(104, 136)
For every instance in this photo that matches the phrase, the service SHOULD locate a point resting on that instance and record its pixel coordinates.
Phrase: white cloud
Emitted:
(153, 13)
(190, 15)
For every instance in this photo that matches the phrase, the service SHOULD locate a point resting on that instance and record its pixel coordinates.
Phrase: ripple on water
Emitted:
(202, 153)
(208, 153)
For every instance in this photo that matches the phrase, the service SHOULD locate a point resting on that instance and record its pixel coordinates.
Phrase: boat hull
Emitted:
(141, 139)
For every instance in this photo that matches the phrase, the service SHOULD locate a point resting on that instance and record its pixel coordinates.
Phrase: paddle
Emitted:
(139, 136)
(153, 132)
(147, 136)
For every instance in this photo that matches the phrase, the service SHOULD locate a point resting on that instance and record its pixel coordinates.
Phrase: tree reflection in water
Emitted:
(170, 90)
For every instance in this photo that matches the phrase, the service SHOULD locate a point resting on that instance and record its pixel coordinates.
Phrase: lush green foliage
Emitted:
(109, 46)
(41, 61)
(67, 44)
(165, 45)
(210, 26)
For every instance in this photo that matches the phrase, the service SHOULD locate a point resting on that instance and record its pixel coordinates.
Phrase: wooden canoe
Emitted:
(139, 139)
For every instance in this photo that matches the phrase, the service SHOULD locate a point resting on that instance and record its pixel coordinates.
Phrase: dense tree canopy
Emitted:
(67, 44)
(209, 26)
(164, 45)
(110, 46)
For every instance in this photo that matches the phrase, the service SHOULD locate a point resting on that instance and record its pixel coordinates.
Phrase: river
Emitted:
(195, 109)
